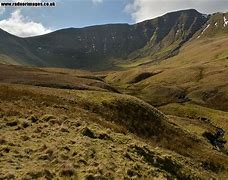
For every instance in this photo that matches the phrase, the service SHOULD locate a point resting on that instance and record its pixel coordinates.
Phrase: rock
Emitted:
(87, 132)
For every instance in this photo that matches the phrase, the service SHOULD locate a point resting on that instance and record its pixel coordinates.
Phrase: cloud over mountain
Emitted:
(22, 26)
(147, 9)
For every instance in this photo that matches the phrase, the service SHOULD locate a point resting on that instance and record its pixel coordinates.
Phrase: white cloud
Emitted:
(97, 1)
(146, 9)
(22, 26)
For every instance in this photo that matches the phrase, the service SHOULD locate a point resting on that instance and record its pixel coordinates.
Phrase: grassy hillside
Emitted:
(196, 75)
(150, 120)
(124, 136)
(191, 87)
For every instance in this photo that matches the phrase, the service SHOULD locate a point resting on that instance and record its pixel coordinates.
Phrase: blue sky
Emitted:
(30, 21)
(80, 13)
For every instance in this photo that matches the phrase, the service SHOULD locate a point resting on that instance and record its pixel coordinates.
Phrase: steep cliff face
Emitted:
(171, 31)
(217, 25)
(100, 47)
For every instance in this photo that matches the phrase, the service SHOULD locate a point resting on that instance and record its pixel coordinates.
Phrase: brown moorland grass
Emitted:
(56, 113)
(47, 141)
(195, 74)
(109, 110)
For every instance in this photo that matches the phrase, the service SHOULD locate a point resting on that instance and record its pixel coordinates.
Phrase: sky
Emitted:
(32, 21)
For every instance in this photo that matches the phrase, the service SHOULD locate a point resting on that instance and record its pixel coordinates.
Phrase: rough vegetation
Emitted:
(49, 132)
(157, 119)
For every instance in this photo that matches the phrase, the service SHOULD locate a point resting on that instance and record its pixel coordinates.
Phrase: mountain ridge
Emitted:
(154, 120)
(101, 47)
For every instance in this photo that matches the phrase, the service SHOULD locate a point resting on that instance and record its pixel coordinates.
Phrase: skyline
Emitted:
(32, 21)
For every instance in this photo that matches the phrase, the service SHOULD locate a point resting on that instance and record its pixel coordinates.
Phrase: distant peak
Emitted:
(192, 11)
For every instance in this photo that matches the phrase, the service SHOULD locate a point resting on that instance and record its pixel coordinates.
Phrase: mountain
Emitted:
(13, 50)
(156, 119)
(217, 25)
(101, 47)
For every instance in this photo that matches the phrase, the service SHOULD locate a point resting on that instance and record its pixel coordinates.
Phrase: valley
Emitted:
(145, 107)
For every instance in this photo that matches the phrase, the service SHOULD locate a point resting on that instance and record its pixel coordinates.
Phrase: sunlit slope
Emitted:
(49, 116)
(43, 118)
(48, 137)
(197, 74)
